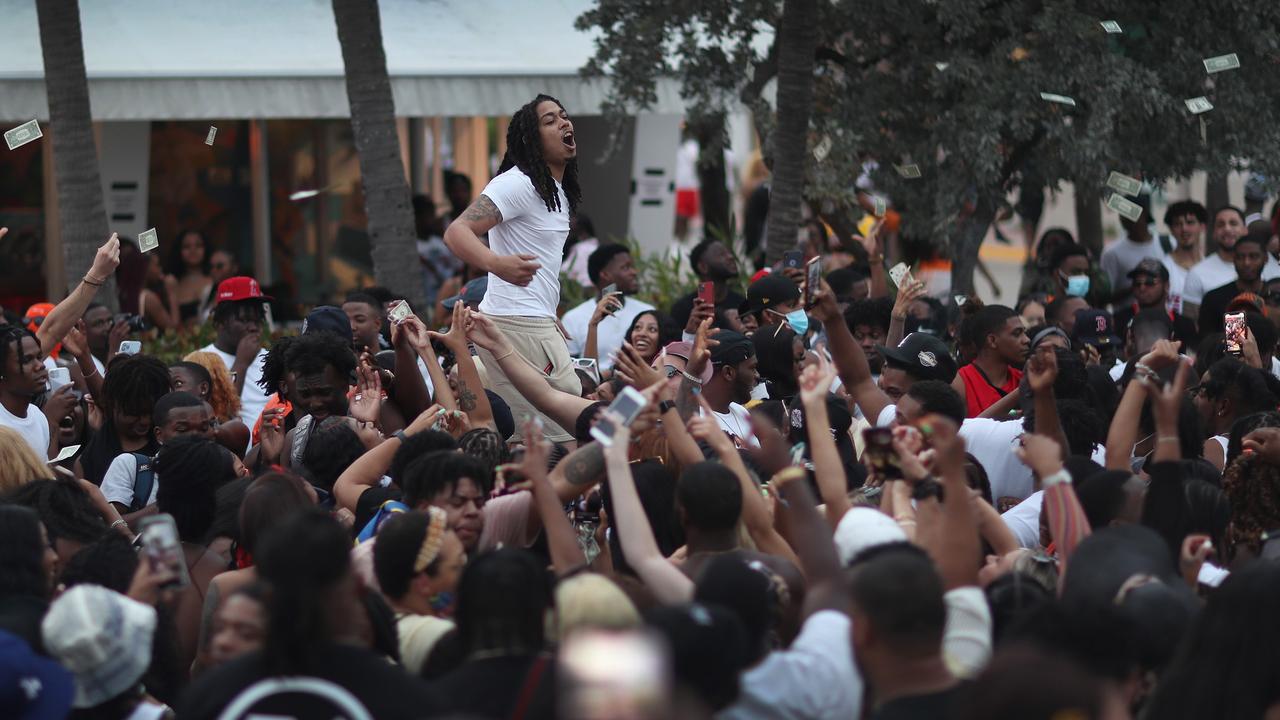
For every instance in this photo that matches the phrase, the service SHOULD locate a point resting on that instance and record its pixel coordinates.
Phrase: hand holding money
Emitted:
(105, 262)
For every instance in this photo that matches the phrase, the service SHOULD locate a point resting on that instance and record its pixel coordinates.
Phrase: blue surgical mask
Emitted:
(798, 321)
(1078, 285)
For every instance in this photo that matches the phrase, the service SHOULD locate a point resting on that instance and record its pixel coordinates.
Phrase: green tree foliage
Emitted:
(954, 87)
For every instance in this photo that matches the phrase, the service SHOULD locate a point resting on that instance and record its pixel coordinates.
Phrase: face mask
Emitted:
(1078, 285)
(442, 603)
(798, 321)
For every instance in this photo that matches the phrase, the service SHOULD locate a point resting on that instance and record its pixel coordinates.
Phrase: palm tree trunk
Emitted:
(373, 124)
(712, 177)
(82, 212)
(797, 38)
(1089, 220)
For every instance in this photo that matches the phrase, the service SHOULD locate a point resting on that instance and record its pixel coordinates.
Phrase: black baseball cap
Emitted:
(768, 292)
(1152, 267)
(327, 318)
(923, 355)
(471, 295)
(734, 348)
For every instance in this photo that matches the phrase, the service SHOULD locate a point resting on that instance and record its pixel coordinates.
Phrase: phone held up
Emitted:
(812, 280)
(1233, 326)
(627, 405)
(879, 454)
(707, 293)
(793, 259)
(163, 550)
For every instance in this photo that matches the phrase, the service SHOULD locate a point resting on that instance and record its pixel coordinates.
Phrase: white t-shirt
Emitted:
(1177, 283)
(686, 175)
(737, 423)
(814, 678)
(528, 228)
(1023, 520)
(1124, 255)
(994, 443)
(252, 398)
(609, 333)
(1213, 272)
(34, 428)
(121, 476)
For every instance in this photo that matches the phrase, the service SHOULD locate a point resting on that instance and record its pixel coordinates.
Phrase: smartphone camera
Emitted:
(136, 323)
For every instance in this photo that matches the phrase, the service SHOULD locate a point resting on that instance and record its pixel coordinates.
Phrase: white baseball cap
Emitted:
(103, 638)
(862, 528)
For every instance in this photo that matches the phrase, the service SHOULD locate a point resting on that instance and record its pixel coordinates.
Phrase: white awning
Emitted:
(189, 59)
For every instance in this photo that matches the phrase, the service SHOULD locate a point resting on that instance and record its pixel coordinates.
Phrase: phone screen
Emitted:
(879, 454)
(612, 289)
(163, 550)
(1233, 326)
(812, 281)
(627, 405)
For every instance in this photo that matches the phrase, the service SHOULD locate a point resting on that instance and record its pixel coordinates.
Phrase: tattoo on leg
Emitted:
(482, 209)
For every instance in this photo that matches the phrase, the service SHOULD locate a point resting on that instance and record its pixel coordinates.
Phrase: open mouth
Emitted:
(567, 139)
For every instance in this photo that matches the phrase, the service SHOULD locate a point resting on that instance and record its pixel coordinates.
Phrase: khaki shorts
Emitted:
(539, 342)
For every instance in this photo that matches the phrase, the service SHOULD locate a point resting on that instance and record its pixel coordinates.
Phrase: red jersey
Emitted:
(979, 393)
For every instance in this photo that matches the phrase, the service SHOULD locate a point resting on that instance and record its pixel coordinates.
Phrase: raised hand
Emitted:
(608, 305)
(704, 427)
(1162, 355)
(1166, 402)
(816, 380)
(271, 435)
(1043, 455)
(485, 334)
(1042, 369)
(516, 269)
(701, 353)
(825, 308)
(425, 420)
(702, 311)
(456, 338)
(75, 343)
(907, 295)
(367, 402)
(634, 370)
(106, 260)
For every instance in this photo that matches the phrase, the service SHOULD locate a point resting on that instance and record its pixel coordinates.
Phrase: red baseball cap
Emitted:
(238, 288)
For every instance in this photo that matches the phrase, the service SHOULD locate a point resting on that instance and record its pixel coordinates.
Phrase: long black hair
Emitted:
(524, 150)
(21, 553)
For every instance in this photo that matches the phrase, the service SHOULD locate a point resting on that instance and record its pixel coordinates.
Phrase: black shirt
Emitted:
(682, 308)
(932, 706)
(383, 689)
(1214, 306)
(492, 687)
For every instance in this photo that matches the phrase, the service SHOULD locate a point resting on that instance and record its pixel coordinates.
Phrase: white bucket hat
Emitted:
(862, 528)
(103, 638)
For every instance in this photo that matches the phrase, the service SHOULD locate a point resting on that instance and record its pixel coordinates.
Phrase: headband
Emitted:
(434, 539)
(1051, 330)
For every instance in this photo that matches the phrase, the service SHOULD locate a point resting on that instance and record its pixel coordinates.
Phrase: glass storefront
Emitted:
(22, 251)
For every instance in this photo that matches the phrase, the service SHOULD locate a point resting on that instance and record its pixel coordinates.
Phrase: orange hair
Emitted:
(222, 396)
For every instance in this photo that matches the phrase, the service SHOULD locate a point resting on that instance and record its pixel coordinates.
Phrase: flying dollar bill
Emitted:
(1060, 99)
(147, 240)
(1129, 210)
(23, 134)
(212, 132)
(822, 149)
(1112, 27)
(1124, 184)
(909, 172)
(1220, 63)
(1198, 105)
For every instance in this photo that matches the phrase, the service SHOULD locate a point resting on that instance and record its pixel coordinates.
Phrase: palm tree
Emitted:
(373, 124)
(82, 213)
(797, 40)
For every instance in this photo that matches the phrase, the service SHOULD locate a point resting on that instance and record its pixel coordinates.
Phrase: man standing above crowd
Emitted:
(526, 210)
(1186, 220)
(609, 266)
(237, 318)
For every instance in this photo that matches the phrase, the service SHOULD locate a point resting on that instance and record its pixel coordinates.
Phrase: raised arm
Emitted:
(634, 371)
(472, 399)
(420, 338)
(1067, 522)
(411, 392)
(815, 382)
(561, 407)
(606, 306)
(955, 547)
(874, 245)
(851, 362)
(566, 553)
(669, 585)
(1042, 372)
(898, 315)
(814, 548)
(365, 472)
(1122, 435)
(463, 238)
(66, 313)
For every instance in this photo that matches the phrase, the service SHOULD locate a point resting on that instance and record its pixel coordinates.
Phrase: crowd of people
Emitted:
(818, 492)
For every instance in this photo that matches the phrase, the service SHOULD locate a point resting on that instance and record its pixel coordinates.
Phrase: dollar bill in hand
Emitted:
(1198, 105)
(147, 240)
(909, 172)
(1220, 63)
(213, 131)
(1124, 184)
(23, 134)
(1060, 99)
(1112, 27)
(399, 312)
(1130, 211)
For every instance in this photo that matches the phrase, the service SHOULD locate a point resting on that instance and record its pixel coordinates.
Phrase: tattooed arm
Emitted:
(581, 469)
(463, 238)
(472, 399)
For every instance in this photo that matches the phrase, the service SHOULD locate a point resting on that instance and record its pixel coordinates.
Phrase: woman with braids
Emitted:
(526, 210)
(129, 393)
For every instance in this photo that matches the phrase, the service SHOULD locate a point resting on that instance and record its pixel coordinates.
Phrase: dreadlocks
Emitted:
(524, 150)
(11, 341)
(133, 384)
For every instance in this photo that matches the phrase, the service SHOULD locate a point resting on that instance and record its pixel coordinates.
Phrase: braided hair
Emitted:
(133, 384)
(11, 342)
(524, 150)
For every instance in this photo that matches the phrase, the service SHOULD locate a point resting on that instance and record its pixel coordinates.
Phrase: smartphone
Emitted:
(1234, 328)
(129, 347)
(707, 292)
(627, 405)
(900, 274)
(162, 548)
(793, 259)
(812, 280)
(589, 366)
(612, 289)
(879, 455)
(58, 377)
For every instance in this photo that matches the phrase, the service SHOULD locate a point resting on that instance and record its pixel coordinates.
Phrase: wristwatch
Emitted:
(666, 406)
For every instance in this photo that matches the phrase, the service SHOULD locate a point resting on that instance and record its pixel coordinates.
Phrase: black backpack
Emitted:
(144, 478)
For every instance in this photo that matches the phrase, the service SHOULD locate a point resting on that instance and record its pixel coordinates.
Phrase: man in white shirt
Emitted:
(610, 265)
(1124, 254)
(526, 210)
(237, 318)
(1186, 220)
(22, 377)
(1219, 268)
(729, 389)
(178, 413)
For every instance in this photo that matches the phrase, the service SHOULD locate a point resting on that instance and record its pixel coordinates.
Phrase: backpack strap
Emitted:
(532, 680)
(144, 478)
(1166, 243)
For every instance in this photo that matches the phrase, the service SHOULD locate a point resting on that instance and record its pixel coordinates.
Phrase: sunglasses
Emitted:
(672, 370)
(1146, 282)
